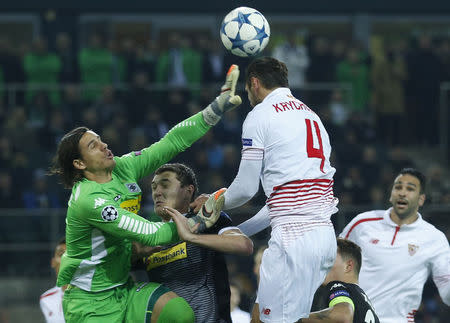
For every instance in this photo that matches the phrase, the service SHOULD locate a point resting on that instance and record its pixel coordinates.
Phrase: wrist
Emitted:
(211, 115)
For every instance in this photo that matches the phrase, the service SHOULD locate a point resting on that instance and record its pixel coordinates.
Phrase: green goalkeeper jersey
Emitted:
(102, 219)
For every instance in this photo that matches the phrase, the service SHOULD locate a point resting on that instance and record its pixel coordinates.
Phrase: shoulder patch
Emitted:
(109, 213)
(133, 187)
(247, 142)
(138, 153)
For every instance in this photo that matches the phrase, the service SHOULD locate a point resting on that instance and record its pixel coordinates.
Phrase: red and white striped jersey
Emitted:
(397, 261)
(295, 148)
(51, 305)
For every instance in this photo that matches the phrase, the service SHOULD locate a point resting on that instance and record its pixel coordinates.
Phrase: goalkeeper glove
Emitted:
(227, 100)
(209, 213)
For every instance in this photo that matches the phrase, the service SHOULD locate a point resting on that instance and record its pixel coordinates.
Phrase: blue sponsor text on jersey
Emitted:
(247, 142)
(339, 293)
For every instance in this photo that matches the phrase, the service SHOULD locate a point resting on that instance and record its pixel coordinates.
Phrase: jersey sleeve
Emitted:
(139, 164)
(440, 269)
(253, 132)
(350, 231)
(338, 293)
(106, 215)
(257, 223)
(45, 309)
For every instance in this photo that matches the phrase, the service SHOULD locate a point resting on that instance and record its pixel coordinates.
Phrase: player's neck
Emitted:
(352, 279)
(99, 177)
(401, 221)
(349, 278)
(263, 93)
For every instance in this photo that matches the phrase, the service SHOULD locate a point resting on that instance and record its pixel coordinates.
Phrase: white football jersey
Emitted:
(290, 138)
(397, 261)
(51, 305)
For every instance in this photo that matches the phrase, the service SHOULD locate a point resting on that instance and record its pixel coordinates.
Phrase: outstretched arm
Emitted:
(184, 134)
(246, 183)
(257, 223)
(230, 239)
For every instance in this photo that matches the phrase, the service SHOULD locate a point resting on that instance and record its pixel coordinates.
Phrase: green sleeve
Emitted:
(142, 163)
(105, 214)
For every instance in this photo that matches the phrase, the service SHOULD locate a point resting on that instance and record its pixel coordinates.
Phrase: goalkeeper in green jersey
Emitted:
(102, 221)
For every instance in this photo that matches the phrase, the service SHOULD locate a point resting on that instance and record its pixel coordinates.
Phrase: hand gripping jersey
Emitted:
(101, 219)
(339, 292)
(396, 262)
(290, 138)
(197, 274)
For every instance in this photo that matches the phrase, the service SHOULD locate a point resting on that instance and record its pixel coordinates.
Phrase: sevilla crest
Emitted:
(412, 249)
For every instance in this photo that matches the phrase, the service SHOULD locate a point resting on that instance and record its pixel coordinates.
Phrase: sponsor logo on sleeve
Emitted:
(133, 187)
(109, 213)
(247, 142)
(339, 293)
(138, 153)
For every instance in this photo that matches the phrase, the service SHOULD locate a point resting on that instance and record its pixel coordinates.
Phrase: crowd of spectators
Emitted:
(132, 93)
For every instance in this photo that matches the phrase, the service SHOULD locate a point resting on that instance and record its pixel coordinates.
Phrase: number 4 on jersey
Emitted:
(311, 151)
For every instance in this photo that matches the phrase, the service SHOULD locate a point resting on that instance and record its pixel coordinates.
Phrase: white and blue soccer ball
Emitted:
(245, 31)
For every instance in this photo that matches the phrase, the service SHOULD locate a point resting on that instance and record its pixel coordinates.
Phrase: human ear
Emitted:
(78, 164)
(349, 264)
(422, 198)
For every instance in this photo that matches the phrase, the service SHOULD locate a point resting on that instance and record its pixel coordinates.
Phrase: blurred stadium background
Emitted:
(377, 73)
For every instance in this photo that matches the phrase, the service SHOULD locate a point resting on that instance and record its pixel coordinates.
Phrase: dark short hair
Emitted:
(68, 150)
(418, 174)
(350, 250)
(269, 71)
(185, 175)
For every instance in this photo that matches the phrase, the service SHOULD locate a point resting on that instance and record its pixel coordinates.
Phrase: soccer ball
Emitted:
(245, 31)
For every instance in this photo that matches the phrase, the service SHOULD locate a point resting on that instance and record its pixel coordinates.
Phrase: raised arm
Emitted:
(246, 183)
(184, 134)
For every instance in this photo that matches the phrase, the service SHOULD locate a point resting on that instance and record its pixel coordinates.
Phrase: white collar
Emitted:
(388, 220)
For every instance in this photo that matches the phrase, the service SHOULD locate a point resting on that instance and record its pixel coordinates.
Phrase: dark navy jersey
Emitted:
(197, 274)
(339, 292)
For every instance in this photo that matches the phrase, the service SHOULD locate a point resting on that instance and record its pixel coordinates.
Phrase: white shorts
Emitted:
(292, 268)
